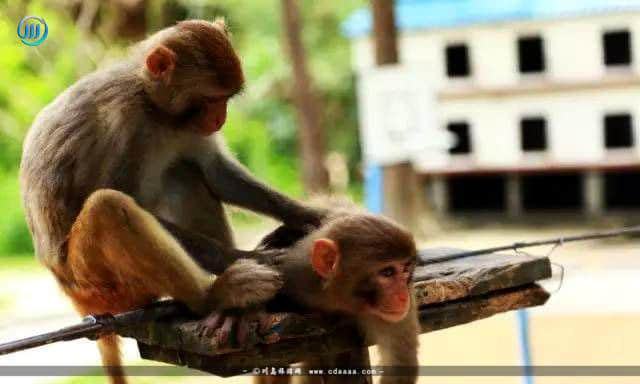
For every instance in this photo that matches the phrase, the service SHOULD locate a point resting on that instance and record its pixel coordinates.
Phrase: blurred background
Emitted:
(474, 122)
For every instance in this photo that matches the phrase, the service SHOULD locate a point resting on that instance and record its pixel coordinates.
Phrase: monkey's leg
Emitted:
(110, 352)
(117, 250)
(119, 258)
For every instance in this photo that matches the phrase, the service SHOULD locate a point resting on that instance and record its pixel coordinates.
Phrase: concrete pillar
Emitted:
(593, 192)
(513, 195)
(440, 195)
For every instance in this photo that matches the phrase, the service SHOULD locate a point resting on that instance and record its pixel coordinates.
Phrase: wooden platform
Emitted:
(449, 293)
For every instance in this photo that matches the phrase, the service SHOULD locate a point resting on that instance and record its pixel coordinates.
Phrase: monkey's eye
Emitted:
(387, 272)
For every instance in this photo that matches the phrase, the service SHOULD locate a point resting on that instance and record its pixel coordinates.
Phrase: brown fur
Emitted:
(109, 347)
(366, 243)
(122, 151)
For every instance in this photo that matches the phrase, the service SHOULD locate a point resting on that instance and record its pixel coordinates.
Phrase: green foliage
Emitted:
(15, 237)
(251, 143)
(257, 35)
(30, 77)
(261, 128)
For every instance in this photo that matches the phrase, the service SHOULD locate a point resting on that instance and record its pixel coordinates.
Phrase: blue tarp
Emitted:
(427, 14)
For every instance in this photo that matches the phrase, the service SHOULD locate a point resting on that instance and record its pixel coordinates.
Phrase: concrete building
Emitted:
(542, 95)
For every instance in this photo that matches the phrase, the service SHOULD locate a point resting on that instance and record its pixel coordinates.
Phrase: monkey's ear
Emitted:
(222, 25)
(161, 62)
(324, 257)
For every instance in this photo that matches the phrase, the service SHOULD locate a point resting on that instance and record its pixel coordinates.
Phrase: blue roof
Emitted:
(427, 14)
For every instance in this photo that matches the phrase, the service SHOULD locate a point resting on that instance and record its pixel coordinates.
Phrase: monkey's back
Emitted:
(74, 147)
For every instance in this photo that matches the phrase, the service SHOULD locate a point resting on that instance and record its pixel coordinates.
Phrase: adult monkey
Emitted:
(128, 148)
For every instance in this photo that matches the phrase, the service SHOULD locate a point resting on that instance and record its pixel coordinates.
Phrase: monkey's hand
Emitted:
(248, 326)
(307, 219)
(282, 237)
(268, 256)
(244, 283)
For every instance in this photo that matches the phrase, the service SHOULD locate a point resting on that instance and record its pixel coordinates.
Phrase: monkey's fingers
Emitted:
(271, 257)
(225, 330)
(282, 237)
(208, 326)
(219, 326)
(253, 326)
(246, 326)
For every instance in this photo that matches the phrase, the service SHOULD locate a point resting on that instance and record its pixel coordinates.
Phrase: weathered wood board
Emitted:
(449, 293)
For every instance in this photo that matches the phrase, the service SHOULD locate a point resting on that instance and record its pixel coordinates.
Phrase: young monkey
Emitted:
(360, 265)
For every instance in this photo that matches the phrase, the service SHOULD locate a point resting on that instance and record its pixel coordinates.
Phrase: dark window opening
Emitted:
(531, 54)
(533, 134)
(463, 139)
(458, 60)
(622, 190)
(557, 191)
(617, 47)
(477, 193)
(618, 131)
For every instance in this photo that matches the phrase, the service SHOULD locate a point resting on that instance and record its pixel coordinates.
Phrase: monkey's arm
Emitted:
(209, 253)
(212, 255)
(397, 345)
(233, 184)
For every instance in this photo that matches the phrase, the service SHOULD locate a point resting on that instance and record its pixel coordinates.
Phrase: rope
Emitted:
(557, 242)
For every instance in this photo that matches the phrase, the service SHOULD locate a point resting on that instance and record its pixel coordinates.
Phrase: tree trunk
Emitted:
(384, 32)
(400, 194)
(311, 133)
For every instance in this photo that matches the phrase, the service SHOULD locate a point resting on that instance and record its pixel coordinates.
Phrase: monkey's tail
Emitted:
(109, 346)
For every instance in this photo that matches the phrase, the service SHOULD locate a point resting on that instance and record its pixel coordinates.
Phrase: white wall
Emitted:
(573, 49)
(575, 132)
(574, 55)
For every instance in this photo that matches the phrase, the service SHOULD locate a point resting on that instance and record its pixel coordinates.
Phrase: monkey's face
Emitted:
(199, 71)
(212, 114)
(386, 291)
(367, 265)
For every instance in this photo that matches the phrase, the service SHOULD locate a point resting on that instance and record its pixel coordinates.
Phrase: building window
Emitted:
(476, 193)
(531, 54)
(533, 134)
(621, 190)
(552, 191)
(463, 139)
(617, 47)
(618, 131)
(458, 60)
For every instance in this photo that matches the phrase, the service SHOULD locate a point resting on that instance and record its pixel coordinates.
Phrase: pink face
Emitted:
(211, 100)
(214, 115)
(383, 292)
(393, 282)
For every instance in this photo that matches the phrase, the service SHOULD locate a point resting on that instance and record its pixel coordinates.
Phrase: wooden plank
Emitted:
(437, 283)
(449, 314)
(449, 293)
(343, 337)
(473, 276)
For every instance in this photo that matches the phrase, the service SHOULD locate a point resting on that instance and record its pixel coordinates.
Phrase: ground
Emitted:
(591, 320)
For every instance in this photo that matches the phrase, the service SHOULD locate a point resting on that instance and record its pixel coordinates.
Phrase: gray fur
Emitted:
(105, 132)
